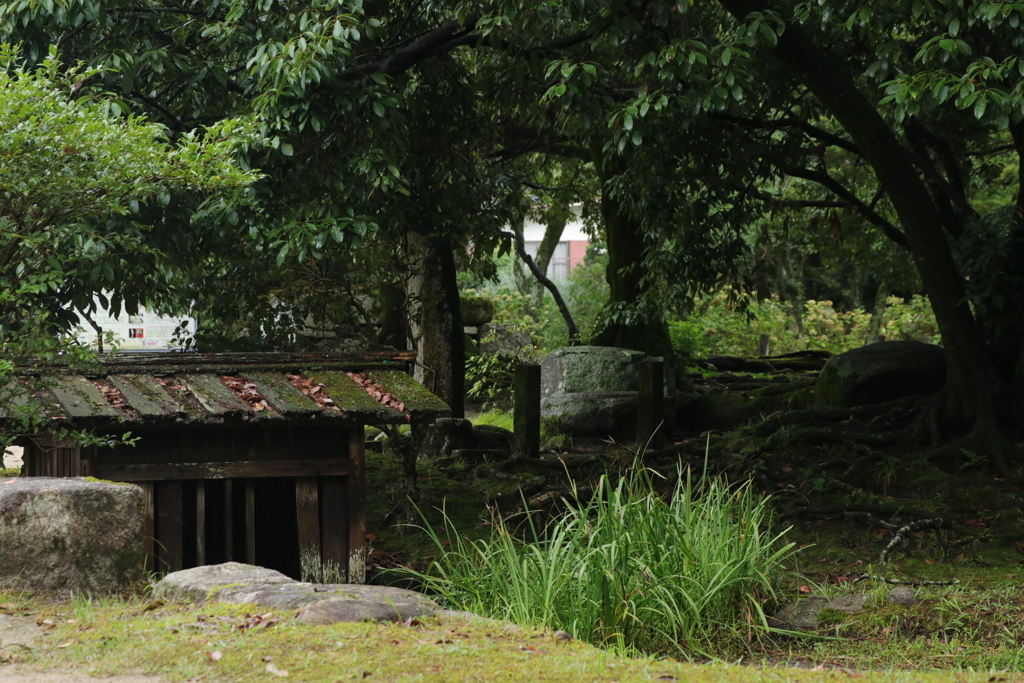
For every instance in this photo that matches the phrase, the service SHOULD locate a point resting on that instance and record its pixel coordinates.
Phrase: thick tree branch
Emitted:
(951, 199)
(973, 374)
(574, 332)
(830, 183)
(778, 124)
(449, 36)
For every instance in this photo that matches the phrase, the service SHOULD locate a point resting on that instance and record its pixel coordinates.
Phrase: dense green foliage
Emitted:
(77, 178)
(721, 326)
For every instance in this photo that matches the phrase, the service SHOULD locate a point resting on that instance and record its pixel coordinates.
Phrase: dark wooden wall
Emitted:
(254, 494)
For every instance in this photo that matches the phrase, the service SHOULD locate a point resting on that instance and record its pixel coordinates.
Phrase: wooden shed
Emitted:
(249, 457)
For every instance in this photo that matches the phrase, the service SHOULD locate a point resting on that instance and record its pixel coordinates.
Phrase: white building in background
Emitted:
(571, 249)
(145, 331)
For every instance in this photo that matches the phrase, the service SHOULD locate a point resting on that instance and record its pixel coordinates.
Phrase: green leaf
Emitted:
(979, 106)
(286, 149)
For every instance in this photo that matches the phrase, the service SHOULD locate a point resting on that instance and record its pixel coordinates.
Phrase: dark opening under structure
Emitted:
(249, 457)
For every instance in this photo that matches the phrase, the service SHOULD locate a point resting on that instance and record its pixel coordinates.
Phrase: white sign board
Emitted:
(145, 331)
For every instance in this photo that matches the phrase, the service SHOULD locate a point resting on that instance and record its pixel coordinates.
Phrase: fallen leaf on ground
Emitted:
(277, 672)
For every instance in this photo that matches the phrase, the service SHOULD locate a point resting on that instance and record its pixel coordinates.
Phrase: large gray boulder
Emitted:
(592, 414)
(61, 535)
(592, 390)
(881, 372)
(589, 369)
(237, 583)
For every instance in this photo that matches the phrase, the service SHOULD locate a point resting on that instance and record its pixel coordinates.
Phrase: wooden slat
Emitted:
(307, 509)
(349, 396)
(13, 394)
(80, 398)
(215, 398)
(283, 396)
(356, 504)
(146, 395)
(229, 363)
(169, 526)
(417, 399)
(334, 523)
(220, 470)
(250, 521)
(229, 527)
(200, 523)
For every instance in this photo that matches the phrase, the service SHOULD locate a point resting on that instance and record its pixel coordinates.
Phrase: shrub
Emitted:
(722, 328)
(629, 568)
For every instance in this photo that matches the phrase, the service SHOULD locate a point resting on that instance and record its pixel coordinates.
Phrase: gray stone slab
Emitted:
(59, 535)
(238, 583)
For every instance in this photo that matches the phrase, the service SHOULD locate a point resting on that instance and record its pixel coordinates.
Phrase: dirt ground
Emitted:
(20, 674)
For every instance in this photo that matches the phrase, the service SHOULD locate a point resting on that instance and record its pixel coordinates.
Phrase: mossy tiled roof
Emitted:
(273, 388)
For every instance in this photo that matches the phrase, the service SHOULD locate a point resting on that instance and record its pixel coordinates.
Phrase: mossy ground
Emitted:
(228, 643)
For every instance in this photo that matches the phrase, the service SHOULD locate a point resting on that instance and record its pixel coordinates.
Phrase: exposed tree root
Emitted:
(899, 539)
(981, 446)
(900, 582)
(833, 415)
(834, 510)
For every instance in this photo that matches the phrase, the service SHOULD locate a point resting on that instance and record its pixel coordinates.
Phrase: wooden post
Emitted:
(357, 505)
(250, 521)
(307, 512)
(229, 527)
(169, 510)
(334, 526)
(762, 344)
(200, 523)
(527, 410)
(650, 406)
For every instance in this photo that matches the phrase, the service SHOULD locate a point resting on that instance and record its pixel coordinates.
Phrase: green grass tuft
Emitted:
(630, 568)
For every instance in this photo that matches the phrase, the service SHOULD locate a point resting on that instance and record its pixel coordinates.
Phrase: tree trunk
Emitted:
(972, 392)
(625, 323)
(546, 249)
(877, 313)
(435, 319)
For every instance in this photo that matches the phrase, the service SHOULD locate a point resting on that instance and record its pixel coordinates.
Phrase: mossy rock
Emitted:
(64, 535)
(590, 370)
(476, 310)
(881, 372)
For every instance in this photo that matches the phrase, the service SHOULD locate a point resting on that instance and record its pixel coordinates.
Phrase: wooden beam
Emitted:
(220, 470)
(307, 512)
(357, 505)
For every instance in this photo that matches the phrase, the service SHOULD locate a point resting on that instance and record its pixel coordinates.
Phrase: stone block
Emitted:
(62, 535)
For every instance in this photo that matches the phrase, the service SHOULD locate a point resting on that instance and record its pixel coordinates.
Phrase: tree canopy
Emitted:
(708, 135)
